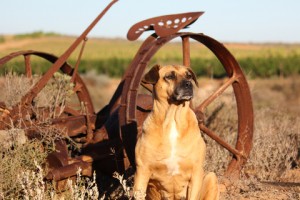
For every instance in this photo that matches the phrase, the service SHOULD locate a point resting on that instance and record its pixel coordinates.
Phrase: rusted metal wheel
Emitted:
(77, 116)
(236, 80)
(81, 95)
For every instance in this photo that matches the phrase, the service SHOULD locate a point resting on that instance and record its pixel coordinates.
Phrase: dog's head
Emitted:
(171, 82)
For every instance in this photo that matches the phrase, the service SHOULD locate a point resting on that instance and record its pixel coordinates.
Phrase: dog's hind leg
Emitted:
(152, 192)
(210, 188)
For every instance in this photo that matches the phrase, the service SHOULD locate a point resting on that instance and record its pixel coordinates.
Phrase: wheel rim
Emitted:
(82, 92)
(236, 79)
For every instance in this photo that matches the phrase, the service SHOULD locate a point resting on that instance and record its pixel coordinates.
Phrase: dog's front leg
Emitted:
(195, 184)
(141, 179)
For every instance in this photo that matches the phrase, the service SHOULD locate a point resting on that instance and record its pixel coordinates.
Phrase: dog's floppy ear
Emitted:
(152, 76)
(194, 77)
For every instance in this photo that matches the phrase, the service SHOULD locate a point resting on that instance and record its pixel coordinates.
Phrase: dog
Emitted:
(170, 151)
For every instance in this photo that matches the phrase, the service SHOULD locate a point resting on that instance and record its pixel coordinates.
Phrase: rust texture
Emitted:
(108, 137)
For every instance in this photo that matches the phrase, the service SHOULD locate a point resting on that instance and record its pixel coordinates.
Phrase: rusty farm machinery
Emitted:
(117, 125)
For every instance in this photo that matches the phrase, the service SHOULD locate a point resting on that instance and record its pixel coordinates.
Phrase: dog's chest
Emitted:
(172, 162)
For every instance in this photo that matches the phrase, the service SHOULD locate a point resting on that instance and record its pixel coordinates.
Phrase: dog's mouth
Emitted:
(183, 95)
(183, 92)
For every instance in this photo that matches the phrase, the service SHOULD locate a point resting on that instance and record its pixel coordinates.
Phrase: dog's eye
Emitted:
(188, 75)
(170, 76)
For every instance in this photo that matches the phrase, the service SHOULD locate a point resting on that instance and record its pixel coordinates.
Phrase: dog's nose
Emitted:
(187, 84)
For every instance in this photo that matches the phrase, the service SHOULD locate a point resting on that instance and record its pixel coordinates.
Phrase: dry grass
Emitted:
(274, 156)
(276, 144)
(15, 87)
(33, 186)
(15, 161)
(55, 94)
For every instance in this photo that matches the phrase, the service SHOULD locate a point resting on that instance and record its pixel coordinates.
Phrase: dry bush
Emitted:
(274, 154)
(54, 95)
(57, 92)
(15, 87)
(14, 161)
(125, 185)
(275, 144)
(275, 148)
(82, 188)
(20, 155)
(21, 175)
(222, 121)
(33, 186)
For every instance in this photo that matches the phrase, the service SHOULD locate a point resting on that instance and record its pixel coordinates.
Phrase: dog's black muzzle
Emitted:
(183, 91)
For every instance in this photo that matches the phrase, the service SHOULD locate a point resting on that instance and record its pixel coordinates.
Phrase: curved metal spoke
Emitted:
(216, 94)
(71, 111)
(220, 141)
(186, 50)
(28, 69)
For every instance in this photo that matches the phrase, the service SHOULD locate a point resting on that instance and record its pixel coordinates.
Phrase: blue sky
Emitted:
(224, 20)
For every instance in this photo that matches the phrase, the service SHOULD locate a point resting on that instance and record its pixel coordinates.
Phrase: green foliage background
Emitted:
(113, 56)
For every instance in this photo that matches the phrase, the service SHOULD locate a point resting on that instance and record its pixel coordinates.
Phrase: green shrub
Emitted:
(271, 66)
(256, 67)
(35, 34)
(2, 39)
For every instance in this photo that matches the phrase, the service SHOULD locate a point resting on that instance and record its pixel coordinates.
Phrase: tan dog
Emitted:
(170, 151)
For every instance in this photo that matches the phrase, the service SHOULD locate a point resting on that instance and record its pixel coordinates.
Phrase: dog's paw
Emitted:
(139, 195)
